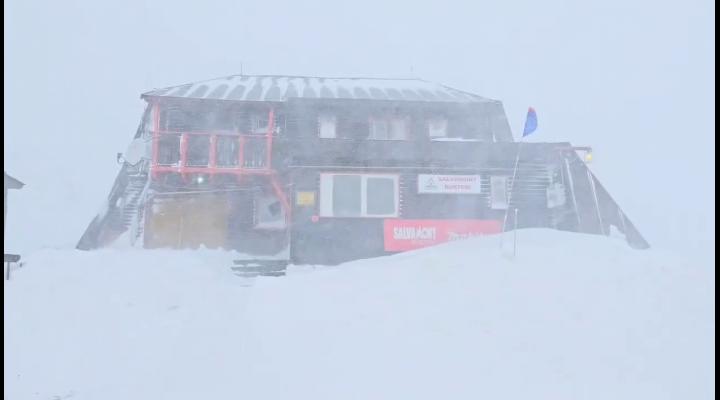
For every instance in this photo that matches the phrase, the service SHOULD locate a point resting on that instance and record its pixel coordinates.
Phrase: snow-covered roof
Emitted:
(281, 88)
(12, 183)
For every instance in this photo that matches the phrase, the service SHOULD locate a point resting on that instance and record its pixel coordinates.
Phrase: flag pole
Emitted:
(530, 126)
(512, 182)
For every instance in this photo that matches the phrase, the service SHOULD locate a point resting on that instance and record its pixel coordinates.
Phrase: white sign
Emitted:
(449, 184)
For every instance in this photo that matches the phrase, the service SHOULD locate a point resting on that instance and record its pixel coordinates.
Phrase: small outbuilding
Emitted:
(10, 183)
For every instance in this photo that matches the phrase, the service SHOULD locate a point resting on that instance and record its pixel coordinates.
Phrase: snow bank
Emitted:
(572, 317)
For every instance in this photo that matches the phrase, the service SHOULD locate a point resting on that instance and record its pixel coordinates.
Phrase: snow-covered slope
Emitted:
(571, 317)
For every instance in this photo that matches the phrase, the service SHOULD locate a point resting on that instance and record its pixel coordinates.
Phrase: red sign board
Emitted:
(409, 234)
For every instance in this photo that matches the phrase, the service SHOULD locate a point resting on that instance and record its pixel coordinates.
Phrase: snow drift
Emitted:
(571, 317)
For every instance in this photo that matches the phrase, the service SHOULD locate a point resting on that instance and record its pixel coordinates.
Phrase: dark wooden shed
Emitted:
(10, 183)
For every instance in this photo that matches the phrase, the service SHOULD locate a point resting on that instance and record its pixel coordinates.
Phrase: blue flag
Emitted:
(530, 122)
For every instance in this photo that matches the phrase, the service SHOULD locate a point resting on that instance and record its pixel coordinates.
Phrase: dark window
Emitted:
(173, 119)
(347, 200)
(168, 150)
(227, 151)
(254, 152)
(198, 150)
(380, 196)
(261, 123)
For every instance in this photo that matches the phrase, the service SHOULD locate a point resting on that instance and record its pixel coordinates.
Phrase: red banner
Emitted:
(409, 234)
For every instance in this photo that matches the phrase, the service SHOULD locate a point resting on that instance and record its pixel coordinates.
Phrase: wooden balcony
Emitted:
(211, 153)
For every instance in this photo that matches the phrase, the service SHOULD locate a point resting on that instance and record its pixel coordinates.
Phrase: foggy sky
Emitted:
(633, 79)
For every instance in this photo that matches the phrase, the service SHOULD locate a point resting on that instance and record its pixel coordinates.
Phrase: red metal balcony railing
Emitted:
(191, 152)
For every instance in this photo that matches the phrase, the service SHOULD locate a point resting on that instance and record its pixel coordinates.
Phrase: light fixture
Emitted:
(584, 152)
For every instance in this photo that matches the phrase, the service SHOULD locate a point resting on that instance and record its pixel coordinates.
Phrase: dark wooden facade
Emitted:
(256, 173)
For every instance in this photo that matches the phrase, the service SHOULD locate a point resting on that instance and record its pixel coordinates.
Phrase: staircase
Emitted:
(123, 211)
(121, 216)
(259, 267)
(595, 210)
(137, 228)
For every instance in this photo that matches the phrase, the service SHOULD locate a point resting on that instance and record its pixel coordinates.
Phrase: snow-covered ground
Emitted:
(571, 317)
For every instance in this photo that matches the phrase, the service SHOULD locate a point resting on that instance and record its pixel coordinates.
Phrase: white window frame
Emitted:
(330, 120)
(326, 194)
(264, 200)
(443, 121)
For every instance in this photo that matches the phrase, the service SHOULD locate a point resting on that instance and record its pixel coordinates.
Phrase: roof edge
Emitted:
(12, 183)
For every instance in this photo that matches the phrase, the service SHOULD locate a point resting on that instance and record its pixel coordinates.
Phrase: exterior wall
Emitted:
(331, 240)
(299, 156)
(187, 222)
(222, 220)
(225, 146)
(485, 122)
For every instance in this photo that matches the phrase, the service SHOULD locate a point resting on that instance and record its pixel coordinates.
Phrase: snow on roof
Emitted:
(12, 183)
(281, 88)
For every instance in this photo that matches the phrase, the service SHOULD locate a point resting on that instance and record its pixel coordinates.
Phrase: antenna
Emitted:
(241, 69)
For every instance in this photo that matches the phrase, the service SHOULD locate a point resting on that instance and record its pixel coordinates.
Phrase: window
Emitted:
(327, 126)
(198, 150)
(227, 151)
(254, 152)
(260, 123)
(380, 196)
(389, 128)
(398, 129)
(378, 129)
(173, 119)
(347, 196)
(344, 195)
(168, 149)
(437, 127)
(269, 213)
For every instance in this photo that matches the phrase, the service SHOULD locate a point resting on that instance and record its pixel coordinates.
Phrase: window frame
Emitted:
(194, 150)
(164, 150)
(255, 123)
(265, 200)
(429, 123)
(325, 202)
(327, 117)
(388, 121)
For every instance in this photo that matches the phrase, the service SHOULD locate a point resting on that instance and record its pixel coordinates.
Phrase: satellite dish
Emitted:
(138, 150)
